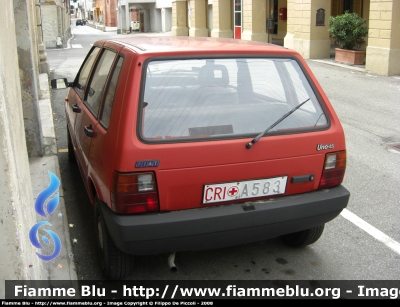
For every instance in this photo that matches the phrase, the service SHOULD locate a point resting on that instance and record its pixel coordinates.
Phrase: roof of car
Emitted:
(184, 43)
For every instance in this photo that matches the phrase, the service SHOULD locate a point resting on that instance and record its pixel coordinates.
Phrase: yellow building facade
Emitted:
(301, 25)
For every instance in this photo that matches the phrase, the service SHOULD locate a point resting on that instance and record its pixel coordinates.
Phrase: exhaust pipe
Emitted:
(171, 262)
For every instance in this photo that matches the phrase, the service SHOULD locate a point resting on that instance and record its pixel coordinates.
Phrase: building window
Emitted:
(238, 13)
(348, 6)
(338, 7)
(237, 18)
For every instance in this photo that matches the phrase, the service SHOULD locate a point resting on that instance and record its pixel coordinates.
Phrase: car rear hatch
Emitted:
(237, 129)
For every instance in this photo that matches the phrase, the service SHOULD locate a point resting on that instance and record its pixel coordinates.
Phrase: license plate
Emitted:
(219, 192)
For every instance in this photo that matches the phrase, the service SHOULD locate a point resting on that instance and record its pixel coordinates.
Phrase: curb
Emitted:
(101, 27)
(46, 117)
(340, 65)
(63, 266)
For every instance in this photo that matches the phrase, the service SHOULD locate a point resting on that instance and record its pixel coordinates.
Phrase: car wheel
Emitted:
(303, 238)
(115, 264)
(71, 154)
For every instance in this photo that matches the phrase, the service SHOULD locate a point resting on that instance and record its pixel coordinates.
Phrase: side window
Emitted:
(98, 81)
(84, 73)
(109, 100)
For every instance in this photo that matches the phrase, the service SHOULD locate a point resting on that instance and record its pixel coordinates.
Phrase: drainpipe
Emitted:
(119, 28)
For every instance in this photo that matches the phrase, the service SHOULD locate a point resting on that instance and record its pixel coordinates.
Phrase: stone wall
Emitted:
(383, 51)
(303, 35)
(110, 12)
(50, 25)
(18, 259)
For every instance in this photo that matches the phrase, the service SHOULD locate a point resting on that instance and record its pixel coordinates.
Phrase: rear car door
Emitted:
(86, 120)
(103, 144)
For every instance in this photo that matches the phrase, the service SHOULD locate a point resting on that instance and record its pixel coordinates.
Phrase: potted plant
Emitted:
(348, 30)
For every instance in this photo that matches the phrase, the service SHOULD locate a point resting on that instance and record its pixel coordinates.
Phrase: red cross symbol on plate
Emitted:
(232, 191)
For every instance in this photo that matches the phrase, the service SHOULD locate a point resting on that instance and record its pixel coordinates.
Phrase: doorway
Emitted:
(141, 19)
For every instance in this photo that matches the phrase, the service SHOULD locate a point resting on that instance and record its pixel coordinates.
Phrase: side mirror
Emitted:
(60, 83)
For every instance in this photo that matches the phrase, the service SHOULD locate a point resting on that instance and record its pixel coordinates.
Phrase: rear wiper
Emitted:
(249, 144)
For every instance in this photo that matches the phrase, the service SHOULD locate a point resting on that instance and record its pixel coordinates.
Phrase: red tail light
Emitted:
(134, 193)
(334, 168)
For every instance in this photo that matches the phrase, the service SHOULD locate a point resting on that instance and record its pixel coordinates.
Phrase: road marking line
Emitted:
(63, 150)
(377, 234)
(76, 46)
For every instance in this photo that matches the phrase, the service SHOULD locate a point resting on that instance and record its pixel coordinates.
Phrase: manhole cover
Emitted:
(393, 147)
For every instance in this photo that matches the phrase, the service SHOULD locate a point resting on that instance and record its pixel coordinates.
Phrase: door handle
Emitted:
(75, 108)
(88, 130)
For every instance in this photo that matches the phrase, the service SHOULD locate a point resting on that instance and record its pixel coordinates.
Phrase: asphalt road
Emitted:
(369, 109)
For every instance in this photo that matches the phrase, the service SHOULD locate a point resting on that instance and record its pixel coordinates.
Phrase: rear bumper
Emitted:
(222, 226)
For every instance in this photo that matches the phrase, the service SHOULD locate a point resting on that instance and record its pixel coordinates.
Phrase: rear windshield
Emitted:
(200, 99)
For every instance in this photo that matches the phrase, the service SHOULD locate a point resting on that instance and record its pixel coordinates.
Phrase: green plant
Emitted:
(348, 30)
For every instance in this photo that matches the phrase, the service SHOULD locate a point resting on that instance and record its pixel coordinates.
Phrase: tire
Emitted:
(71, 153)
(303, 238)
(114, 263)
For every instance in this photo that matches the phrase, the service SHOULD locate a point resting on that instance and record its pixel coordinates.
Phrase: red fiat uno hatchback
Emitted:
(200, 143)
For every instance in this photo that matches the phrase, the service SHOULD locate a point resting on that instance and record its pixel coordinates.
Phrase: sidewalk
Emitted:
(63, 266)
(331, 61)
(97, 25)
